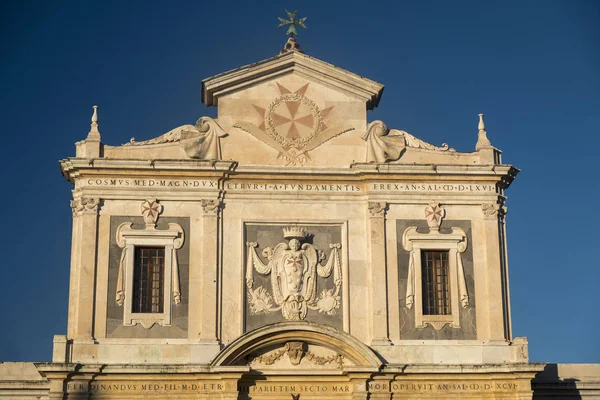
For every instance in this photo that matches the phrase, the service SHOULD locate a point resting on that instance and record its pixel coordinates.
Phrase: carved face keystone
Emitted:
(295, 352)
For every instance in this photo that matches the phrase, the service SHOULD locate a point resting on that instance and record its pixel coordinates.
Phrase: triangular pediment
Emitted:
(290, 110)
(312, 69)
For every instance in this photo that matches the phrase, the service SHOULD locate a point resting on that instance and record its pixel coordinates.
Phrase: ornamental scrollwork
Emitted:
(201, 141)
(150, 210)
(296, 351)
(85, 205)
(493, 211)
(386, 145)
(210, 206)
(377, 209)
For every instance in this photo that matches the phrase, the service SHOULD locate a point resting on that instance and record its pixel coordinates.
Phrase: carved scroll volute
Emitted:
(76, 207)
(462, 282)
(177, 243)
(377, 209)
(90, 205)
(120, 296)
(406, 243)
(410, 282)
(201, 141)
(85, 205)
(493, 211)
(210, 206)
(208, 145)
(462, 245)
(125, 226)
(381, 147)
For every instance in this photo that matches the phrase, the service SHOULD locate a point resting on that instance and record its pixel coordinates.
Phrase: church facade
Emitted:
(288, 249)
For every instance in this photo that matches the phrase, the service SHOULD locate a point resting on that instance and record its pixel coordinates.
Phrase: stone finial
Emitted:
(291, 45)
(482, 139)
(481, 125)
(94, 133)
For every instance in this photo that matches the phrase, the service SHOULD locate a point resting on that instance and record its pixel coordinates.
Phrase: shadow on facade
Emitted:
(549, 385)
(247, 384)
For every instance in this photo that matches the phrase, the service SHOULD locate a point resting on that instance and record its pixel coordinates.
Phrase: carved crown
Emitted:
(294, 232)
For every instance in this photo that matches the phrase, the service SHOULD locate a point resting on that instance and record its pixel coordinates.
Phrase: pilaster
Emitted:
(359, 382)
(57, 374)
(496, 282)
(209, 268)
(230, 382)
(379, 388)
(378, 287)
(83, 268)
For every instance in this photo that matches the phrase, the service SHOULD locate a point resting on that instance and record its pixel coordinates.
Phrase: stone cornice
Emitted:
(231, 81)
(464, 368)
(73, 167)
(45, 368)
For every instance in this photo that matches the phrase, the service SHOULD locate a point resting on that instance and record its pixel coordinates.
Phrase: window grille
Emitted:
(436, 285)
(148, 284)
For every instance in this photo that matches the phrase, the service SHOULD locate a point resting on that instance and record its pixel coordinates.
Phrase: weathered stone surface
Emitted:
(292, 230)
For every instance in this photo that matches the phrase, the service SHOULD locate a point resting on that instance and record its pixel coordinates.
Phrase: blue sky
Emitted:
(531, 66)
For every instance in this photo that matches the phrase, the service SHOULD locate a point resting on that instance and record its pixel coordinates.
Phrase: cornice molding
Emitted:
(75, 167)
(314, 69)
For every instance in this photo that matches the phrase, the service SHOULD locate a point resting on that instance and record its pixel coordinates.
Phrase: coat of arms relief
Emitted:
(294, 268)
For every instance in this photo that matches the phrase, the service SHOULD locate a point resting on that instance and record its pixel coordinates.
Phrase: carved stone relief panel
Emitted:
(293, 273)
(296, 354)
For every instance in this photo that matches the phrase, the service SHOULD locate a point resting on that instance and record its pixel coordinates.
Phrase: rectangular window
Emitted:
(436, 285)
(148, 280)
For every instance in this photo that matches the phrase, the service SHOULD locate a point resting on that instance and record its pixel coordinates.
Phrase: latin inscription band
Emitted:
(312, 187)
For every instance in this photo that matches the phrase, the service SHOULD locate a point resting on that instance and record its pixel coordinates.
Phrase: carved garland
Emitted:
(296, 351)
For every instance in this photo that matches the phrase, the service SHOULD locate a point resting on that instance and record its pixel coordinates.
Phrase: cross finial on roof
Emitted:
(291, 23)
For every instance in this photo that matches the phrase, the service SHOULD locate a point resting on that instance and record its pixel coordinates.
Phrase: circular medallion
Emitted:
(293, 120)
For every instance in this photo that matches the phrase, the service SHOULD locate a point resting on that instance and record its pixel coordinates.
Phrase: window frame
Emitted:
(454, 243)
(442, 265)
(149, 269)
(171, 240)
